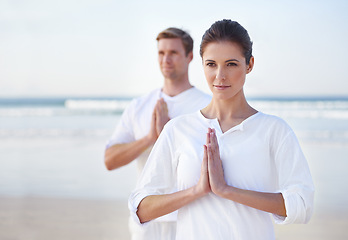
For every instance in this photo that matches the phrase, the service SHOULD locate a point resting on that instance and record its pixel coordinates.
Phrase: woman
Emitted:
(233, 167)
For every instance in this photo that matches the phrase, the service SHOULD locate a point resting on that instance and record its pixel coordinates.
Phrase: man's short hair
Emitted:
(172, 32)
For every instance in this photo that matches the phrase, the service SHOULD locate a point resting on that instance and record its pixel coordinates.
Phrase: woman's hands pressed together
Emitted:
(212, 174)
(216, 174)
(212, 180)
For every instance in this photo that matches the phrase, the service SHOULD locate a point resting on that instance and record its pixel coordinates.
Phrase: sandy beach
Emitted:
(48, 218)
(56, 217)
(51, 218)
(54, 185)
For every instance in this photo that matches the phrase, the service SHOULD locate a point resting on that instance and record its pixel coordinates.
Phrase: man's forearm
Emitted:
(121, 154)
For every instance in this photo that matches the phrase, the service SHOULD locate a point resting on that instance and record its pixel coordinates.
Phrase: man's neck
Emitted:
(175, 87)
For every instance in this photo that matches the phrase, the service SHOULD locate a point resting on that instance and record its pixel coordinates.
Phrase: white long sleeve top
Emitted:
(135, 122)
(261, 154)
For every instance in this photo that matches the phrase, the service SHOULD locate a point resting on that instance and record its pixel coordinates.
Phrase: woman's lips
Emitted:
(221, 87)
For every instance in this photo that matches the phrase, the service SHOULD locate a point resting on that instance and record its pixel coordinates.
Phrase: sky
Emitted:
(108, 48)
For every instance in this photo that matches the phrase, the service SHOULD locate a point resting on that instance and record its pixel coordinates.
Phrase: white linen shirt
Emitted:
(135, 122)
(261, 154)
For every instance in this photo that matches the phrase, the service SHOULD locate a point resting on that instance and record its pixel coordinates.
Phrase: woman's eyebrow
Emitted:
(232, 60)
(229, 60)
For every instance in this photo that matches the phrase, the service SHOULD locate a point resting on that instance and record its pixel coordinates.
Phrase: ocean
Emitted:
(54, 147)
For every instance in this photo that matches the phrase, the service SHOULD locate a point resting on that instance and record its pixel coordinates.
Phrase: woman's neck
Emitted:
(229, 112)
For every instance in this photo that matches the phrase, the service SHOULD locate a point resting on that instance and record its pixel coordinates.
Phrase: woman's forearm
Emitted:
(155, 206)
(268, 202)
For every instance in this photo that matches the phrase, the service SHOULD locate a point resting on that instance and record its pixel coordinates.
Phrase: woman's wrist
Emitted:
(198, 192)
(224, 191)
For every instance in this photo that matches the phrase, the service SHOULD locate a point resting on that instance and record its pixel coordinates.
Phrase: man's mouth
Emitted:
(167, 67)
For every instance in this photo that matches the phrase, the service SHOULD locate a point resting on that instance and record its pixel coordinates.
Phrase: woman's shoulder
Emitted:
(183, 120)
(180, 126)
(274, 122)
(182, 123)
(271, 118)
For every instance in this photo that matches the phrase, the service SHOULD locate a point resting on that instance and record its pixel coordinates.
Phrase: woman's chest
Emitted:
(246, 161)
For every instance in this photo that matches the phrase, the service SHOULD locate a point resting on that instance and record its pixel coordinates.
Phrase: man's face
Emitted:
(172, 58)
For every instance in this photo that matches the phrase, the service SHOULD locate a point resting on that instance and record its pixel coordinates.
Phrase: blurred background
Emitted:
(69, 68)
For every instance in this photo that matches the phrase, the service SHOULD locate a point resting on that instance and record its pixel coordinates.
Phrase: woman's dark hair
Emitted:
(230, 31)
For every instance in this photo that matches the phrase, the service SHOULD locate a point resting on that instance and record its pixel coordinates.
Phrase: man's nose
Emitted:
(167, 58)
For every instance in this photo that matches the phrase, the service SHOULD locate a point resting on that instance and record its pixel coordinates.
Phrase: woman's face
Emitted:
(225, 69)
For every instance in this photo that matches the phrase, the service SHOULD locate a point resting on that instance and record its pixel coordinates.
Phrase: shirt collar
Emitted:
(214, 123)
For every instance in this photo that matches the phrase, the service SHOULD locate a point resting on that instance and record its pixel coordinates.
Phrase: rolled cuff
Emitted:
(108, 145)
(111, 143)
(133, 203)
(297, 209)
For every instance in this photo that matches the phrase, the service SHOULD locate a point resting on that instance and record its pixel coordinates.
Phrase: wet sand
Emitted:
(47, 218)
(34, 218)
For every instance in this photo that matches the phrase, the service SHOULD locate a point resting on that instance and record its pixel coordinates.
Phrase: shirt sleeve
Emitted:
(158, 176)
(123, 132)
(295, 181)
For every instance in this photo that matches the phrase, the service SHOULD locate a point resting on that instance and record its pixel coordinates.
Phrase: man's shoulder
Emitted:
(194, 97)
(195, 100)
(143, 104)
(183, 120)
(151, 96)
(200, 93)
(154, 94)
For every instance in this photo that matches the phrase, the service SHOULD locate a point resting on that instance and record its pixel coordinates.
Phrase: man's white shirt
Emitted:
(136, 119)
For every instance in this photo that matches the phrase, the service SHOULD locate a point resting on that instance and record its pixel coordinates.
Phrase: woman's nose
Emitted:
(220, 75)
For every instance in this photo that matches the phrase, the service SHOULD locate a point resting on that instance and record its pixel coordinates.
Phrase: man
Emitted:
(143, 120)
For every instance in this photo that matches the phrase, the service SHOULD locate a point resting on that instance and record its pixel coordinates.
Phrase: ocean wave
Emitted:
(61, 107)
(304, 109)
(53, 132)
(310, 114)
(26, 111)
(92, 107)
(70, 108)
(52, 112)
(113, 105)
(322, 136)
(296, 105)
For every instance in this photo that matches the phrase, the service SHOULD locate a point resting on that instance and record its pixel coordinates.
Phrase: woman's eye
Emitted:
(210, 64)
(231, 64)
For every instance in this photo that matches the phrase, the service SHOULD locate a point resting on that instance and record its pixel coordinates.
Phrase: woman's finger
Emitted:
(214, 143)
(205, 160)
(208, 137)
